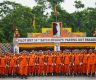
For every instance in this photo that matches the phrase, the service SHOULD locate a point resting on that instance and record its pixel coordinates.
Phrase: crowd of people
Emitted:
(45, 63)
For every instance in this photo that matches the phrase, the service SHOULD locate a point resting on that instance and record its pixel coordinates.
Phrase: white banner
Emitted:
(48, 40)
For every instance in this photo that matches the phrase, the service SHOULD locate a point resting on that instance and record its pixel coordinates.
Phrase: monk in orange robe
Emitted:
(91, 64)
(2, 65)
(17, 64)
(58, 63)
(95, 60)
(63, 62)
(76, 63)
(54, 62)
(71, 63)
(45, 63)
(81, 63)
(49, 66)
(41, 64)
(11, 65)
(66, 63)
(23, 67)
(85, 60)
(36, 63)
(31, 64)
(7, 57)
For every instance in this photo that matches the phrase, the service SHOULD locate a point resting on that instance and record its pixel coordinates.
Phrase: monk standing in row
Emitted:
(71, 68)
(95, 60)
(54, 62)
(66, 64)
(37, 64)
(81, 63)
(12, 65)
(45, 63)
(85, 58)
(2, 65)
(23, 65)
(76, 63)
(58, 63)
(41, 64)
(31, 68)
(91, 63)
(49, 64)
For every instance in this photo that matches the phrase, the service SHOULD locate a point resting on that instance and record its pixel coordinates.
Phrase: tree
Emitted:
(51, 4)
(6, 7)
(79, 5)
(21, 16)
(88, 21)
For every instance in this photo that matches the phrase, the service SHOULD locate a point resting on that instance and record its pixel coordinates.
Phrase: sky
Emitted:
(67, 5)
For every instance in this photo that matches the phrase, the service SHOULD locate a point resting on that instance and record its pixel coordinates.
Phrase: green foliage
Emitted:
(78, 4)
(21, 17)
(54, 2)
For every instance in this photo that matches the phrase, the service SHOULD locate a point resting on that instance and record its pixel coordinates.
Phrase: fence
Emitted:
(6, 47)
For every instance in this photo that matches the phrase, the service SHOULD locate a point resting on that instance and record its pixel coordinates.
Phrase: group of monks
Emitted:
(80, 62)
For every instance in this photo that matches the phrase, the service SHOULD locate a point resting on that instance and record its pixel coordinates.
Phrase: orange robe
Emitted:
(81, 63)
(61, 58)
(63, 63)
(49, 66)
(66, 63)
(23, 68)
(41, 64)
(91, 64)
(7, 57)
(31, 64)
(2, 65)
(58, 64)
(95, 61)
(54, 63)
(36, 64)
(45, 63)
(12, 65)
(71, 67)
(85, 60)
(17, 64)
(76, 63)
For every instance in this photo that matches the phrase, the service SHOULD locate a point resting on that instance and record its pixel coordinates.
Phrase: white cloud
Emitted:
(28, 3)
(89, 3)
(67, 5)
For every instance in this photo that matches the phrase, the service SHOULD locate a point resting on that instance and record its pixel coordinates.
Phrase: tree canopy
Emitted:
(14, 15)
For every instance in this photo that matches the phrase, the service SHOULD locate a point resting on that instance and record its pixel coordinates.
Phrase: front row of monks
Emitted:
(48, 63)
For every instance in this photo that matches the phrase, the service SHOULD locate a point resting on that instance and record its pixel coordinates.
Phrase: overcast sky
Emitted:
(67, 5)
